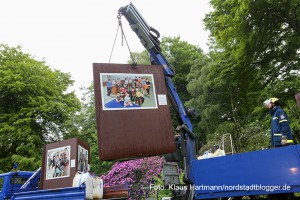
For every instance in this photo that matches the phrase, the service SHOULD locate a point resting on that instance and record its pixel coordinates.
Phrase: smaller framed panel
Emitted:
(58, 163)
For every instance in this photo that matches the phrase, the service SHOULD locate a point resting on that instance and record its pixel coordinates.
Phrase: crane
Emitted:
(274, 172)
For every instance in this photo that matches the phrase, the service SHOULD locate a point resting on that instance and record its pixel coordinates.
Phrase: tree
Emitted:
(254, 56)
(182, 56)
(34, 107)
(142, 58)
(259, 32)
(262, 36)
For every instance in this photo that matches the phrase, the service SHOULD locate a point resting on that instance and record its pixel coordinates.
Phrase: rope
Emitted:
(114, 43)
(123, 36)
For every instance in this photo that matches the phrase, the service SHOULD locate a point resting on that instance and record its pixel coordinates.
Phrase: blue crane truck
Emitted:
(274, 172)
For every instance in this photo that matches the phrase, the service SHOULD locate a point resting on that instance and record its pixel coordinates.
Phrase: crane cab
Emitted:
(11, 183)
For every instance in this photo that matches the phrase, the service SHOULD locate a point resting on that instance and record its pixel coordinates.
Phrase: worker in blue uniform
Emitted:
(281, 134)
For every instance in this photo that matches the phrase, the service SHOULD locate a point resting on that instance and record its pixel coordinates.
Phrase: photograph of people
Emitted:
(58, 163)
(127, 91)
(82, 159)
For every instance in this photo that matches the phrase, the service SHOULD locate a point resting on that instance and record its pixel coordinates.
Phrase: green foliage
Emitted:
(34, 108)
(181, 56)
(142, 58)
(254, 56)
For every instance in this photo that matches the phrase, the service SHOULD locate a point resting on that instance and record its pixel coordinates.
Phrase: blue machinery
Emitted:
(23, 185)
(69, 193)
(11, 183)
(266, 172)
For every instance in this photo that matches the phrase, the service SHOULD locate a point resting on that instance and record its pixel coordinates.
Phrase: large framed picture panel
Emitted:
(133, 116)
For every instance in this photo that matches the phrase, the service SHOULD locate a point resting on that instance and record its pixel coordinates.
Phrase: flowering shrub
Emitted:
(137, 173)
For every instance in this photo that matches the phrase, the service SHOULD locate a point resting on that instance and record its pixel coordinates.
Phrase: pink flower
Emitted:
(137, 173)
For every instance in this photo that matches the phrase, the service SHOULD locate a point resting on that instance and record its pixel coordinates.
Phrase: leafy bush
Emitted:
(139, 173)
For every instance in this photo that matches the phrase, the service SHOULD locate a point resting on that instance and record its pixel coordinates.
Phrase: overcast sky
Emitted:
(70, 35)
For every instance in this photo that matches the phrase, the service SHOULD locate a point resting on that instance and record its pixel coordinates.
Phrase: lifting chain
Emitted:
(123, 37)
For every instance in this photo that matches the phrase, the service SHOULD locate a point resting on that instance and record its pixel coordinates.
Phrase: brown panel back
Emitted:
(126, 134)
(64, 181)
(297, 97)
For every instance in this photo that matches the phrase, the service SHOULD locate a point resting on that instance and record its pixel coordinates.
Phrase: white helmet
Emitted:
(271, 100)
